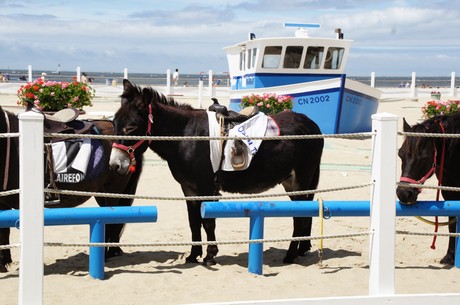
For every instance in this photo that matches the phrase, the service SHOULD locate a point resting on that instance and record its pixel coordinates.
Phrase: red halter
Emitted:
(130, 149)
(424, 178)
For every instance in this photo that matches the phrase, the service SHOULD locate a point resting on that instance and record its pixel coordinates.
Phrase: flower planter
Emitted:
(268, 103)
(55, 96)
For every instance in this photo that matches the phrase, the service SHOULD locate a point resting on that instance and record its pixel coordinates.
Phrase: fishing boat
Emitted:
(311, 70)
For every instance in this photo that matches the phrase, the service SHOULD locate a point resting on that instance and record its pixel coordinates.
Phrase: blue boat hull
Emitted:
(332, 105)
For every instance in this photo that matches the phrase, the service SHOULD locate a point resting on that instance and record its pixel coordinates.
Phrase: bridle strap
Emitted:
(7, 158)
(426, 176)
(130, 149)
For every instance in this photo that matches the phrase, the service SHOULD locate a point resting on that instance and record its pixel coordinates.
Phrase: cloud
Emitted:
(189, 35)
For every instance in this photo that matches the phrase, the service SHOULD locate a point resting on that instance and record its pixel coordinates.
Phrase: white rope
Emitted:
(204, 243)
(203, 198)
(5, 247)
(9, 193)
(429, 135)
(229, 242)
(9, 135)
(434, 187)
(207, 138)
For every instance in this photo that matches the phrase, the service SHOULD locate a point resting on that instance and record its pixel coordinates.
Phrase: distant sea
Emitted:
(159, 79)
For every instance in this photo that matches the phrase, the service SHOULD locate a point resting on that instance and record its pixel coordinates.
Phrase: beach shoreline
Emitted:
(159, 274)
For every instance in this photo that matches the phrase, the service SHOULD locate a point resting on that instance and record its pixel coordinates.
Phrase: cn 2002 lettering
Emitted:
(313, 99)
(354, 100)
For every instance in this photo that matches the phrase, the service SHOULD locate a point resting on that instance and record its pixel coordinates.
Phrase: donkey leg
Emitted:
(292, 253)
(211, 251)
(5, 254)
(112, 235)
(302, 227)
(305, 230)
(194, 219)
(449, 258)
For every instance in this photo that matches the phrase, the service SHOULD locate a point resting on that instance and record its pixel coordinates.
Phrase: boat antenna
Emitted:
(302, 27)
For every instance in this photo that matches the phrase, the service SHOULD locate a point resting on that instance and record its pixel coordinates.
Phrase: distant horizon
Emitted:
(38, 71)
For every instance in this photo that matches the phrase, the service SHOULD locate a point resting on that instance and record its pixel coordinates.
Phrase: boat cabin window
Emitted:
(242, 60)
(293, 57)
(334, 58)
(313, 58)
(272, 56)
(249, 58)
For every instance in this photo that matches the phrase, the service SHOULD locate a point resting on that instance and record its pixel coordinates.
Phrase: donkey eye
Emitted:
(129, 130)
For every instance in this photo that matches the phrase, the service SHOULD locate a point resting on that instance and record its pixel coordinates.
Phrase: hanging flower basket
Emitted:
(55, 96)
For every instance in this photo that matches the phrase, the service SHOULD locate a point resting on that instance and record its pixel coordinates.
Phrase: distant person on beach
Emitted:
(43, 76)
(83, 78)
(2, 78)
(175, 77)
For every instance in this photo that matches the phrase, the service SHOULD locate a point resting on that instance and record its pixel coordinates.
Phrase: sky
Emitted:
(390, 38)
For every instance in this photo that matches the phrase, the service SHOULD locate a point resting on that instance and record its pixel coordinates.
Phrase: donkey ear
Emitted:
(147, 95)
(406, 126)
(130, 92)
(127, 86)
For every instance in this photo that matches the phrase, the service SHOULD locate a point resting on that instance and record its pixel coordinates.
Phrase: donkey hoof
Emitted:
(288, 260)
(448, 259)
(209, 262)
(113, 252)
(3, 268)
(191, 260)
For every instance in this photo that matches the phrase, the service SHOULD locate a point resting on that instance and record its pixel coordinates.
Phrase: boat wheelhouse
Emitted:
(311, 70)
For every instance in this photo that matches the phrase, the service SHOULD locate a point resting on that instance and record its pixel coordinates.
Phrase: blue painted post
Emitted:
(96, 218)
(258, 210)
(256, 250)
(96, 254)
(457, 245)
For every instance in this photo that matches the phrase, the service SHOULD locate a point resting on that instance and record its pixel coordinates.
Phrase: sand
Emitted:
(159, 275)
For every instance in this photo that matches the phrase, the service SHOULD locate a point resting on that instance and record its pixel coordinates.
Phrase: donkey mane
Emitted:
(148, 95)
(450, 123)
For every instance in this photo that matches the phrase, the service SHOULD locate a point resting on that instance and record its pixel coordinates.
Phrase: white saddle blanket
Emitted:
(257, 126)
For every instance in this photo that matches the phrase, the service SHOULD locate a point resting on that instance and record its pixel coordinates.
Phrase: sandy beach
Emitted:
(159, 275)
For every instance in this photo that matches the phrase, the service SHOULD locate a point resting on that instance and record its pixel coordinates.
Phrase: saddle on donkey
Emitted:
(236, 154)
(70, 160)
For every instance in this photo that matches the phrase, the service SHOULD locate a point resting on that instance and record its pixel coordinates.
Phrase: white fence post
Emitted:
(211, 88)
(453, 90)
(373, 79)
(383, 205)
(200, 94)
(29, 70)
(413, 88)
(31, 199)
(168, 82)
